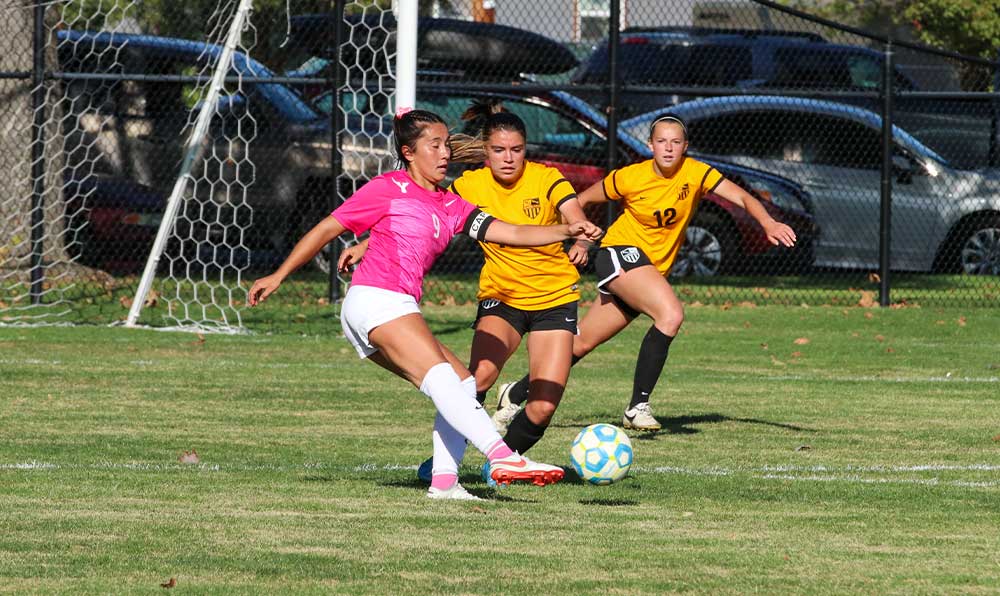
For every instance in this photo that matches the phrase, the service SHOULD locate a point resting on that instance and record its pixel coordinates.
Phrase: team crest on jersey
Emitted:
(685, 190)
(630, 254)
(531, 207)
(489, 303)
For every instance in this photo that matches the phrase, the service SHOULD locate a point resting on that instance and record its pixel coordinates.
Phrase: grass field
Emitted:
(805, 450)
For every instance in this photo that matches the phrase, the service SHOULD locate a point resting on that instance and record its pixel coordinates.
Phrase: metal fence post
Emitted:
(614, 97)
(885, 218)
(38, 155)
(336, 124)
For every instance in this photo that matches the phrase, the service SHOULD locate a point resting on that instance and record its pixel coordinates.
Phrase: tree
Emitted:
(969, 27)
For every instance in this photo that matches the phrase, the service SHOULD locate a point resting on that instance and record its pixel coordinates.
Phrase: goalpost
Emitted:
(197, 272)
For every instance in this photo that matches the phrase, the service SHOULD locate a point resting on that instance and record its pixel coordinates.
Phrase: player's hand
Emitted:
(262, 288)
(579, 253)
(779, 233)
(584, 230)
(350, 257)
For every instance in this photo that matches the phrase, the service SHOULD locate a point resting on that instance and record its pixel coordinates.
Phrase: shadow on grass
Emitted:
(682, 425)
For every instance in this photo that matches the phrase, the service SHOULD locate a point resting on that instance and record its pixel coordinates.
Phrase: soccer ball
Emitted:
(601, 454)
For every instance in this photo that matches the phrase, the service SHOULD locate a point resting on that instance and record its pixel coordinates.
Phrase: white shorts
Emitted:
(365, 308)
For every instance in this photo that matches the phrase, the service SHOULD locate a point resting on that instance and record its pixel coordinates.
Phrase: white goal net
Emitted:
(157, 171)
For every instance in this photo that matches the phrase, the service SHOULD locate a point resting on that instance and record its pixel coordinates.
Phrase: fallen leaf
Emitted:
(880, 338)
(855, 334)
(961, 321)
(801, 341)
(796, 354)
(939, 322)
(777, 362)
(478, 509)
(803, 448)
(874, 278)
(867, 299)
(890, 350)
(323, 301)
(763, 346)
(171, 583)
(748, 304)
(746, 324)
(151, 299)
(997, 438)
(869, 315)
(125, 301)
(189, 457)
(200, 340)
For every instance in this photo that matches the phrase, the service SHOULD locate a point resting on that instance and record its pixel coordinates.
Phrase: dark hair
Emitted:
(484, 117)
(668, 118)
(407, 128)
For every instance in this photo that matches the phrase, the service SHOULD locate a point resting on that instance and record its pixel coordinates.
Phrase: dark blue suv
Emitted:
(691, 57)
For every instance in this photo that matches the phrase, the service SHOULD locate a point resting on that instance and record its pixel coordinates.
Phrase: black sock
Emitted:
(518, 393)
(649, 365)
(481, 397)
(522, 434)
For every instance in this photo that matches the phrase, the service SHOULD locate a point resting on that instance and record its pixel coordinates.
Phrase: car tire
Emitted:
(709, 249)
(973, 247)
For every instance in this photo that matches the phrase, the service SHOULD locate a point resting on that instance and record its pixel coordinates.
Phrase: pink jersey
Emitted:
(410, 227)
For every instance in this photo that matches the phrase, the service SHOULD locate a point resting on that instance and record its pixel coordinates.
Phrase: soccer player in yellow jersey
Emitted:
(522, 291)
(658, 198)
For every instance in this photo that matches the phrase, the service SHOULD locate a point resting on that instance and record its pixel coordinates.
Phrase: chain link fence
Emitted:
(99, 97)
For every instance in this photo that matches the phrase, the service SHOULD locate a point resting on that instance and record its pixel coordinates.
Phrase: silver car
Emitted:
(943, 218)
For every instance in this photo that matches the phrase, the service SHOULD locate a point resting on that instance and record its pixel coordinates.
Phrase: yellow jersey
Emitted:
(656, 210)
(528, 278)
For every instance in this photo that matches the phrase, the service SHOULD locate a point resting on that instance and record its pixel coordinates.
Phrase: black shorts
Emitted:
(611, 262)
(558, 317)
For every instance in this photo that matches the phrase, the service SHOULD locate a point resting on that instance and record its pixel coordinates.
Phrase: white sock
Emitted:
(458, 408)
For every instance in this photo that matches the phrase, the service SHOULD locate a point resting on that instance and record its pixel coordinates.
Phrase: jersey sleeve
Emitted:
(559, 190)
(365, 207)
(613, 190)
(476, 224)
(711, 179)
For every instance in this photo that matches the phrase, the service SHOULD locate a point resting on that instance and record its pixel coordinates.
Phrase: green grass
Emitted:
(806, 450)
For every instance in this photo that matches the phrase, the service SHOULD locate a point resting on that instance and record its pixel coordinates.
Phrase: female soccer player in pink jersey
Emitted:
(411, 220)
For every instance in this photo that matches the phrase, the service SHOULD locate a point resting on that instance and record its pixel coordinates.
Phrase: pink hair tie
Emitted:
(400, 112)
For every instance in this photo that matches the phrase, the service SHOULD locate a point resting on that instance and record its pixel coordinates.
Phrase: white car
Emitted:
(944, 219)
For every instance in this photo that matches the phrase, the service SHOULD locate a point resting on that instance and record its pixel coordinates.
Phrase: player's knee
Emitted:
(669, 323)
(540, 411)
(486, 375)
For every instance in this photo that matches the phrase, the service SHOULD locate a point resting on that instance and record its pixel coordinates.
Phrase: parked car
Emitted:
(129, 135)
(695, 57)
(943, 218)
(448, 50)
(570, 135)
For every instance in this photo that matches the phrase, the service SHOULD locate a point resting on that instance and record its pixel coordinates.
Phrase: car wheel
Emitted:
(709, 248)
(974, 248)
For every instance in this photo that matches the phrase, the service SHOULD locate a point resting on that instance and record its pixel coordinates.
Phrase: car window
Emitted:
(746, 133)
(720, 65)
(841, 143)
(810, 68)
(866, 72)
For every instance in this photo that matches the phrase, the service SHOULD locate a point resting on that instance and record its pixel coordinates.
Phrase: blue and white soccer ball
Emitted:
(601, 454)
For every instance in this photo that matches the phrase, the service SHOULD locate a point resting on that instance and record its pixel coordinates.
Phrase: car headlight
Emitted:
(777, 195)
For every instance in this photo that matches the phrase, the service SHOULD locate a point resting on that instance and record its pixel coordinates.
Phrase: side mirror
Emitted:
(903, 169)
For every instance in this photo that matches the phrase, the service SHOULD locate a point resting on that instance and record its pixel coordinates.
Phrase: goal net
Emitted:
(174, 151)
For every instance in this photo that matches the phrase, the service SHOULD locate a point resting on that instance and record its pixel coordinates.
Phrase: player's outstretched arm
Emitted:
(572, 212)
(777, 232)
(502, 232)
(315, 239)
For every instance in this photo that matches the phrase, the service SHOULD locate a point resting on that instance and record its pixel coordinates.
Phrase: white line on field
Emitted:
(874, 379)
(784, 473)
